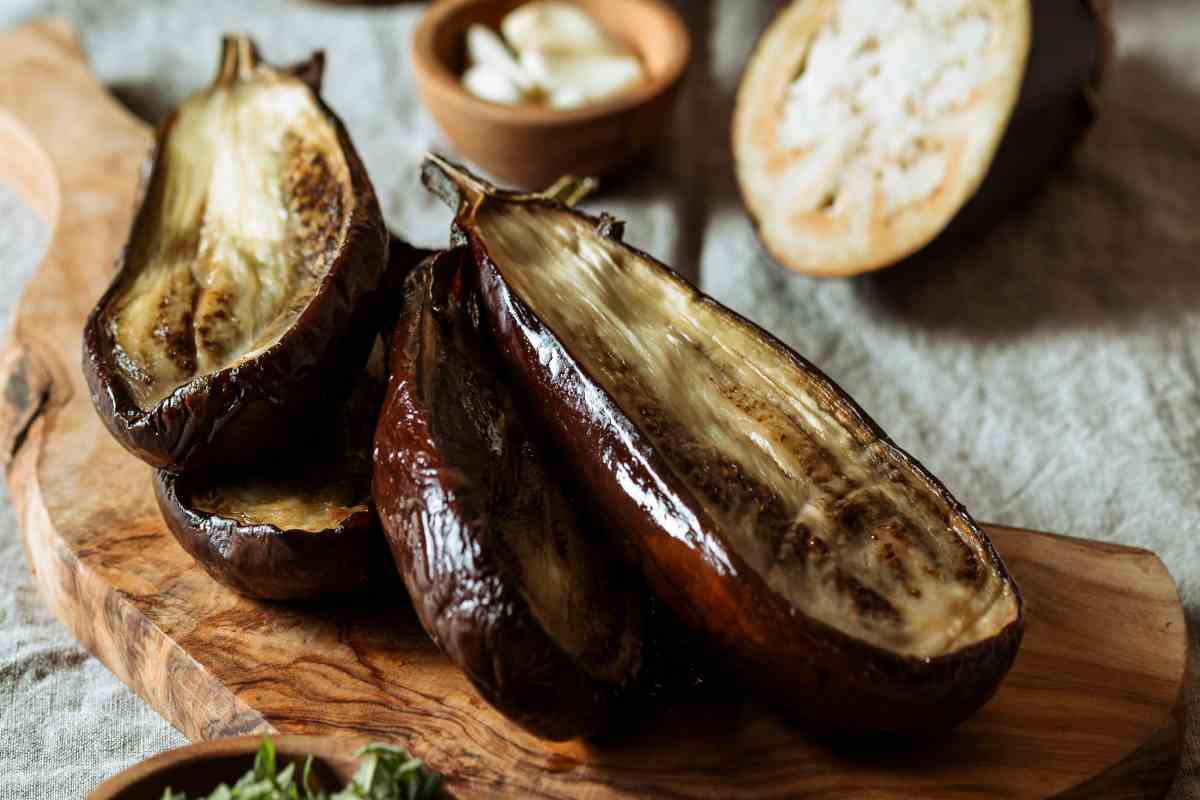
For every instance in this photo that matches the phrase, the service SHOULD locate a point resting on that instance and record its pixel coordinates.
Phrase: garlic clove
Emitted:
(566, 97)
(486, 48)
(593, 76)
(551, 25)
(489, 83)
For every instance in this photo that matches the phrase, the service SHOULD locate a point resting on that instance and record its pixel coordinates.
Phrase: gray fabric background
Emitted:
(1049, 373)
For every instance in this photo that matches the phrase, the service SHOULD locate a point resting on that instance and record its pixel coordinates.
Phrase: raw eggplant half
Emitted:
(761, 503)
(503, 572)
(864, 128)
(246, 294)
(303, 525)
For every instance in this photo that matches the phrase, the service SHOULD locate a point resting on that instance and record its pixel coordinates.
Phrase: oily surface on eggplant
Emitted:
(301, 526)
(758, 499)
(503, 572)
(248, 287)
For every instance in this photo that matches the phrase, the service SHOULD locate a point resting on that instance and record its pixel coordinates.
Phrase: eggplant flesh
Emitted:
(804, 498)
(250, 276)
(862, 131)
(758, 498)
(315, 491)
(245, 214)
(503, 573)
(310, 502)
(300, 527)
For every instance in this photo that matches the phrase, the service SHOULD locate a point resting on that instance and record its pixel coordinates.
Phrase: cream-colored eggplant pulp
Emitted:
(567, 584)
(830, 517)
(310, 503)
(572, 590)
(864, 125)
(247, 206)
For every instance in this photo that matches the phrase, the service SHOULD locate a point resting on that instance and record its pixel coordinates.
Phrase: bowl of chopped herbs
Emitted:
(276, 768)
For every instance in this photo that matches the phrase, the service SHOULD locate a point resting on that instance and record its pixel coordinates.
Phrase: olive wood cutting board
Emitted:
(1091, 709)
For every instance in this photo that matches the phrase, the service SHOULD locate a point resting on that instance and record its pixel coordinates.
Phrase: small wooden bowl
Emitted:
(198, 768)
(531, 145)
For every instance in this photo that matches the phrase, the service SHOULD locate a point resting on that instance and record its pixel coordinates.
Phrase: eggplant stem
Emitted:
(570, 189)
(458, 187)
(239, 59)
(311, 72)
(454, 184)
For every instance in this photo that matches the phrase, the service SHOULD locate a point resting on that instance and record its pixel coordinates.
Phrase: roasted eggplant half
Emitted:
(758, 499)
(505, 574)
(301, 526)
(866, 129)
(247, 293)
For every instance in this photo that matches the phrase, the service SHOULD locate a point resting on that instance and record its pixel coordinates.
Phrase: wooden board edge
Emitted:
(158, 670)
(1091, 544)
(1146, 774)
(24, 391)
(1149, 772)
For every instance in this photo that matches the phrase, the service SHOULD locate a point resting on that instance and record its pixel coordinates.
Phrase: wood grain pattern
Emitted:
(1091, 708)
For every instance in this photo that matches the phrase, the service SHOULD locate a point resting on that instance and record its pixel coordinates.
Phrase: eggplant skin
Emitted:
(235, 414)
(264, 561)
(303, 525)
(454, 470)
(1058, 104)
(822, 674)
(403, 258)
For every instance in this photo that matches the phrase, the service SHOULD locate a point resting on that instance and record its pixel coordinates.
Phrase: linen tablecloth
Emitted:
(1049, 372)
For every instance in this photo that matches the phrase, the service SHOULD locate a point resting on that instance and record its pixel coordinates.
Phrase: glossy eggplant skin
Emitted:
(263, 560)
(403, 258)
(820, 673)
(235, 414)
(310, 529)
(456, 477)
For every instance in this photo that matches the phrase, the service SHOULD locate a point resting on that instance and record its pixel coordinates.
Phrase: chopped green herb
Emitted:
(386, 773)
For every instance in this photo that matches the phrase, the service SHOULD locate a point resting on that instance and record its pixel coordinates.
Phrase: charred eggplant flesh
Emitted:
(250, 275)
(759, 500)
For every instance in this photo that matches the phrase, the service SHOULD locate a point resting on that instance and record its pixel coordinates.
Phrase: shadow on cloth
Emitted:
(672, 171)
(1110, 239)
(145, 101)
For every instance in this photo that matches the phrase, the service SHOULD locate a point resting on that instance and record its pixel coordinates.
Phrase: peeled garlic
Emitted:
(550, 25)
(552, 53)
(567, 97)
(592, 76)
(486, 49)
(488, 83)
